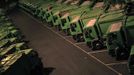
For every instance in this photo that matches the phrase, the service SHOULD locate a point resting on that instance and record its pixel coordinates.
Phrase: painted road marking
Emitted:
(99, 51)
(117, 63)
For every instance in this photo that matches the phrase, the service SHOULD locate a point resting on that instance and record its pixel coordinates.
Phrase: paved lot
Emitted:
(61, 55)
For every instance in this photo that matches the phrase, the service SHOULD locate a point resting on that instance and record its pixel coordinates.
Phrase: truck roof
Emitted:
(115, 27)
(65, 16)
(91, 22)
(75, 19)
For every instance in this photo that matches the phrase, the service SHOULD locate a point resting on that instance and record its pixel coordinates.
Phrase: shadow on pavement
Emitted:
(48, 70)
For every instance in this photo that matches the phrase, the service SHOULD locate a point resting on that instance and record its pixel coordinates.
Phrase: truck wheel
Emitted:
(59, 28)
(79, 38)
(111, 52)
(68, 31)
(74, 37)
(96, 44)
(50, 24)
(88, 44)
(118, 53)
(121, 54)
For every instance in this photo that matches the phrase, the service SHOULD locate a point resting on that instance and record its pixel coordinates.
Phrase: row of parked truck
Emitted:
(100, 23)
(16, 57)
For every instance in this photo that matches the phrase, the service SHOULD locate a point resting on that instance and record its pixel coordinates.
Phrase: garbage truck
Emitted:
(119, 39)
(95, 30)
(79, 21)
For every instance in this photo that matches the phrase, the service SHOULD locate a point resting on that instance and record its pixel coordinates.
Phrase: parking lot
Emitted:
(61, 55)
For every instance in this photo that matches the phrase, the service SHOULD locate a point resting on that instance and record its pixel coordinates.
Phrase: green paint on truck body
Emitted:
(97, 32)
(76, 28)
(120, 42)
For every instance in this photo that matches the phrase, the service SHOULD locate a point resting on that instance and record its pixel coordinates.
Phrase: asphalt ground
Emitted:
(60, 54)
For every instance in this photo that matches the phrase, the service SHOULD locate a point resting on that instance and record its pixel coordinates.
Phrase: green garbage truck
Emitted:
(62, 7)
(61, 15)
(67, 17)
(95, 30)
(77, 23)
(120, 39)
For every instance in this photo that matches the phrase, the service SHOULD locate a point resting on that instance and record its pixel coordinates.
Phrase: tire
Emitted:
(79, 38)
(88, 44)
(50, 24)
(74, 37)
(68, 32)
(96, 45)
(58, 28)
(118, 54)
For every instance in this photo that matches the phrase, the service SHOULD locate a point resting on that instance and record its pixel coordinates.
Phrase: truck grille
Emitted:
(73, 26)
(63, 22)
